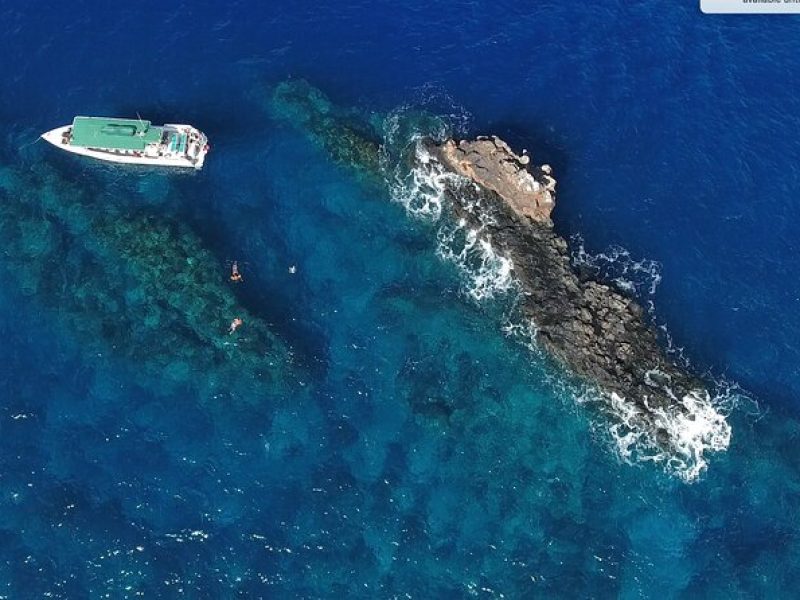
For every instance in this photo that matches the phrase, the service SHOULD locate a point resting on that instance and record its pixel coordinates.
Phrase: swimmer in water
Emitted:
(235, 324)
(236, 277)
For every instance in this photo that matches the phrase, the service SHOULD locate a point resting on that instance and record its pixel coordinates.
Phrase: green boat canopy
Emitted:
(113, 134)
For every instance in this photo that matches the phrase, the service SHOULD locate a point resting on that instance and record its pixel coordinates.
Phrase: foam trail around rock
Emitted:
(695, 425)
(486, 273)
(422, 192)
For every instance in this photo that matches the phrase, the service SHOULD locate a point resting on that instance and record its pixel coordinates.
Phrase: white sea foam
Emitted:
(421, 190)
(694, 426)
(524, 331)
(415, 179)
(486, 273)
(638, 277)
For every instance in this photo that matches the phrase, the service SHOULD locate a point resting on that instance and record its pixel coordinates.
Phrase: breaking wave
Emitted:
(636, 277)
(697, 423)
(695, 426)
(419, 183)
(421, 189)
(485, 271)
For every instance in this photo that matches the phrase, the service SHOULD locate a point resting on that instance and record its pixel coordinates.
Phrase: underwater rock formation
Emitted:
(139, 286)
(590, 327)
(344, 139)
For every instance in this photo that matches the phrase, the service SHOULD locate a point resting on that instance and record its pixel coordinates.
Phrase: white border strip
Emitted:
(751, 7)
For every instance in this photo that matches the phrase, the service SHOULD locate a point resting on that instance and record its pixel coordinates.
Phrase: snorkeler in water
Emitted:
(235, 324)
(236, 277)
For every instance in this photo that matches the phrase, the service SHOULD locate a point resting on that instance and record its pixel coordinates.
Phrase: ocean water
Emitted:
(402, 437)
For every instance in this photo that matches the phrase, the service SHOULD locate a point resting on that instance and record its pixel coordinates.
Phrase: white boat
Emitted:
(132, 141)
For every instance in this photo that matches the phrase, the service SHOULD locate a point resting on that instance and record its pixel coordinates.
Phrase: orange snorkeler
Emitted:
(236, 277)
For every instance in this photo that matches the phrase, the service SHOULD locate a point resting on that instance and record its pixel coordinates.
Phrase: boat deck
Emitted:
(132, 142)
(178, 142)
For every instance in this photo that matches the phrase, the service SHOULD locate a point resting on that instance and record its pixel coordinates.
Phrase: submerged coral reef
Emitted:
(344, 139)
(139, 285)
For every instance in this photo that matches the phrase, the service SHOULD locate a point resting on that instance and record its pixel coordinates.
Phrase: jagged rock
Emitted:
(591, 328)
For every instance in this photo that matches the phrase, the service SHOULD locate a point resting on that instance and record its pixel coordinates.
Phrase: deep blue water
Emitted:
(673, 137)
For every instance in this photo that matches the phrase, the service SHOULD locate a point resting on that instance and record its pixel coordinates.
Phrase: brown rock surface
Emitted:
(489, 162)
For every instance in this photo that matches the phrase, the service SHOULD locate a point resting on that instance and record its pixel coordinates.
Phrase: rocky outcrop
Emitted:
(590, 327)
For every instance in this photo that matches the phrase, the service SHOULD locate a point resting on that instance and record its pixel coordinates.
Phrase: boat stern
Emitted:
(199, 148)
(185, 143)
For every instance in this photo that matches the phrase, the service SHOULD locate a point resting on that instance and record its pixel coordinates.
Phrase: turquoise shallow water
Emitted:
(407, 446)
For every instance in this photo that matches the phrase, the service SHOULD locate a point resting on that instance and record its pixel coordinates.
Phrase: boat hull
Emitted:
(58, 138)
